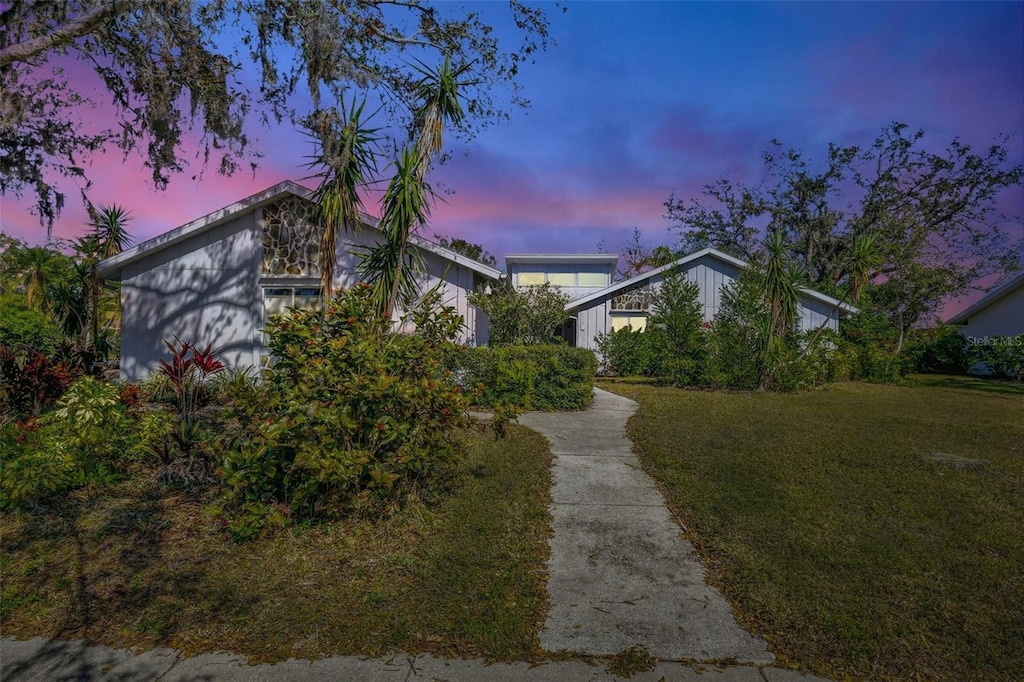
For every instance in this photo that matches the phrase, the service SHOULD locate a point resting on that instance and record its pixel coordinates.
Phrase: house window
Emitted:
(562, 279)
(592, 279)
(530, 279)
(634, 299)
(278, 300)
(637, 323)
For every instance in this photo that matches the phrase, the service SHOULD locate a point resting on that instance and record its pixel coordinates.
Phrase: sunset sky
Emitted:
(640, 100)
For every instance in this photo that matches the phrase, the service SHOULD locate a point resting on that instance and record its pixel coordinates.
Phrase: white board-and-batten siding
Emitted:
(711, 276)
(208, 289)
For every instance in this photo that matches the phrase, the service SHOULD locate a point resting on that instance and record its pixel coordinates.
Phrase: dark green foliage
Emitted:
(82, 441)
(674, 347)
(24, 326)
(867, 348)
(1002, 355)
(678, 332)
(939, 349)
(349, 416)
(521, 317)
(739, 334)
(30, 381)
(628, 352)
(467, 249)
(539, 377)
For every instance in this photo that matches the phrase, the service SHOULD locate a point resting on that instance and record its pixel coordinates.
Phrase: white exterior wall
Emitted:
(208, 289)
(711, 276)
(204, 290)
(1005, 317)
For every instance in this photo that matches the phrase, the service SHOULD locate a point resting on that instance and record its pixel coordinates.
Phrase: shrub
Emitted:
(23, 326)
(349, 415)
(82, 441)
(182, 450)
(939, 349)
(30, 381)
(627, 352)
(1002, 355)
(541, 377)
(674, 347)
(522, 316)
(867, 348)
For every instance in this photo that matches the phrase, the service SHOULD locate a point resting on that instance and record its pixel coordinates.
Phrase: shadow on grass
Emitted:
(968, 383)
(94, 567)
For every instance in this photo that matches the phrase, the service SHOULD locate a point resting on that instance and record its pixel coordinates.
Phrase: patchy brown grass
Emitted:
(141, 566)
(822, 519)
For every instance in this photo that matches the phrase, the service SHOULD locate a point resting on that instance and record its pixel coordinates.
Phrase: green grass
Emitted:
(460, 576)
(821, 519)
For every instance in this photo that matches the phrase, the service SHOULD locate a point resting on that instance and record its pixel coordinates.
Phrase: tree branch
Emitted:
(81, 26)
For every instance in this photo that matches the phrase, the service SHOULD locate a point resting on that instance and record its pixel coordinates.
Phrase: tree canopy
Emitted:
(178, 68)
(467, 249)
(926, 223)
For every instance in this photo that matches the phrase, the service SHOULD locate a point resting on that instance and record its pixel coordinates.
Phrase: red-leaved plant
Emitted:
(188, 371)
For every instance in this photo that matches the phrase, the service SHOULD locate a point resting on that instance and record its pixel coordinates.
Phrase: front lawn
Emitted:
(139, 565)
(821, 517)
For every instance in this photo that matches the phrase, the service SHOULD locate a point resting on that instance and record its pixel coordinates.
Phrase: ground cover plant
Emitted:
(821, 517)
(458, 573)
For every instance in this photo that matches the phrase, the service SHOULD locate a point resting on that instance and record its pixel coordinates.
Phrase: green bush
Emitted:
(627, 352)
(868, 348)
(540, 377)
(525, 316)
(939, 349)
(349, 415)
(82, 441)
(23, 326)
(1002, 355)
(30, 381)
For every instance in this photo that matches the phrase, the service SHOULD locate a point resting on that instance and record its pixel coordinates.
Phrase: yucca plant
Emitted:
(346, 153)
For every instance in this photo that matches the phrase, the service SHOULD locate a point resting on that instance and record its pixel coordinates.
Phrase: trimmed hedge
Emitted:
(541, 377)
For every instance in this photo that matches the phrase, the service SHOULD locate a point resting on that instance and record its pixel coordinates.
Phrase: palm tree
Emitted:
(406, 203)
(108, 236)
(406, 207)
(37, 267)
(347, 155)
(781, 280)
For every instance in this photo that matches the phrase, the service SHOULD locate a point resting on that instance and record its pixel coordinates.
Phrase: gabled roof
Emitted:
(1000, 292)
(685, 260)
(111, 267)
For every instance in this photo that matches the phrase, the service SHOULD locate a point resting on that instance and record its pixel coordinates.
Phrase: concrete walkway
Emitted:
(620, 573)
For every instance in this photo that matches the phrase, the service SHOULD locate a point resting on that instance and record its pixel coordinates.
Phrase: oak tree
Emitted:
(211, 69)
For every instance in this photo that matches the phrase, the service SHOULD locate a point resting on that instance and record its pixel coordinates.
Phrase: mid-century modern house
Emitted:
(216, 279)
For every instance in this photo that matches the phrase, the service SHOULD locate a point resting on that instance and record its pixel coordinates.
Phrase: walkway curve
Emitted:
(620, 572)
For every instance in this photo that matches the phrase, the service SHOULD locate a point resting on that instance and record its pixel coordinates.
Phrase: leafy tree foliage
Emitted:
(177, 67)
(522, 317)
(638, 258)
(467, 249)
(929, 218)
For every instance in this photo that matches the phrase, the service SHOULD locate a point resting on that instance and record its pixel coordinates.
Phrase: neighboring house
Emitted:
(628, 303)
(215, 280)
(999, 313)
